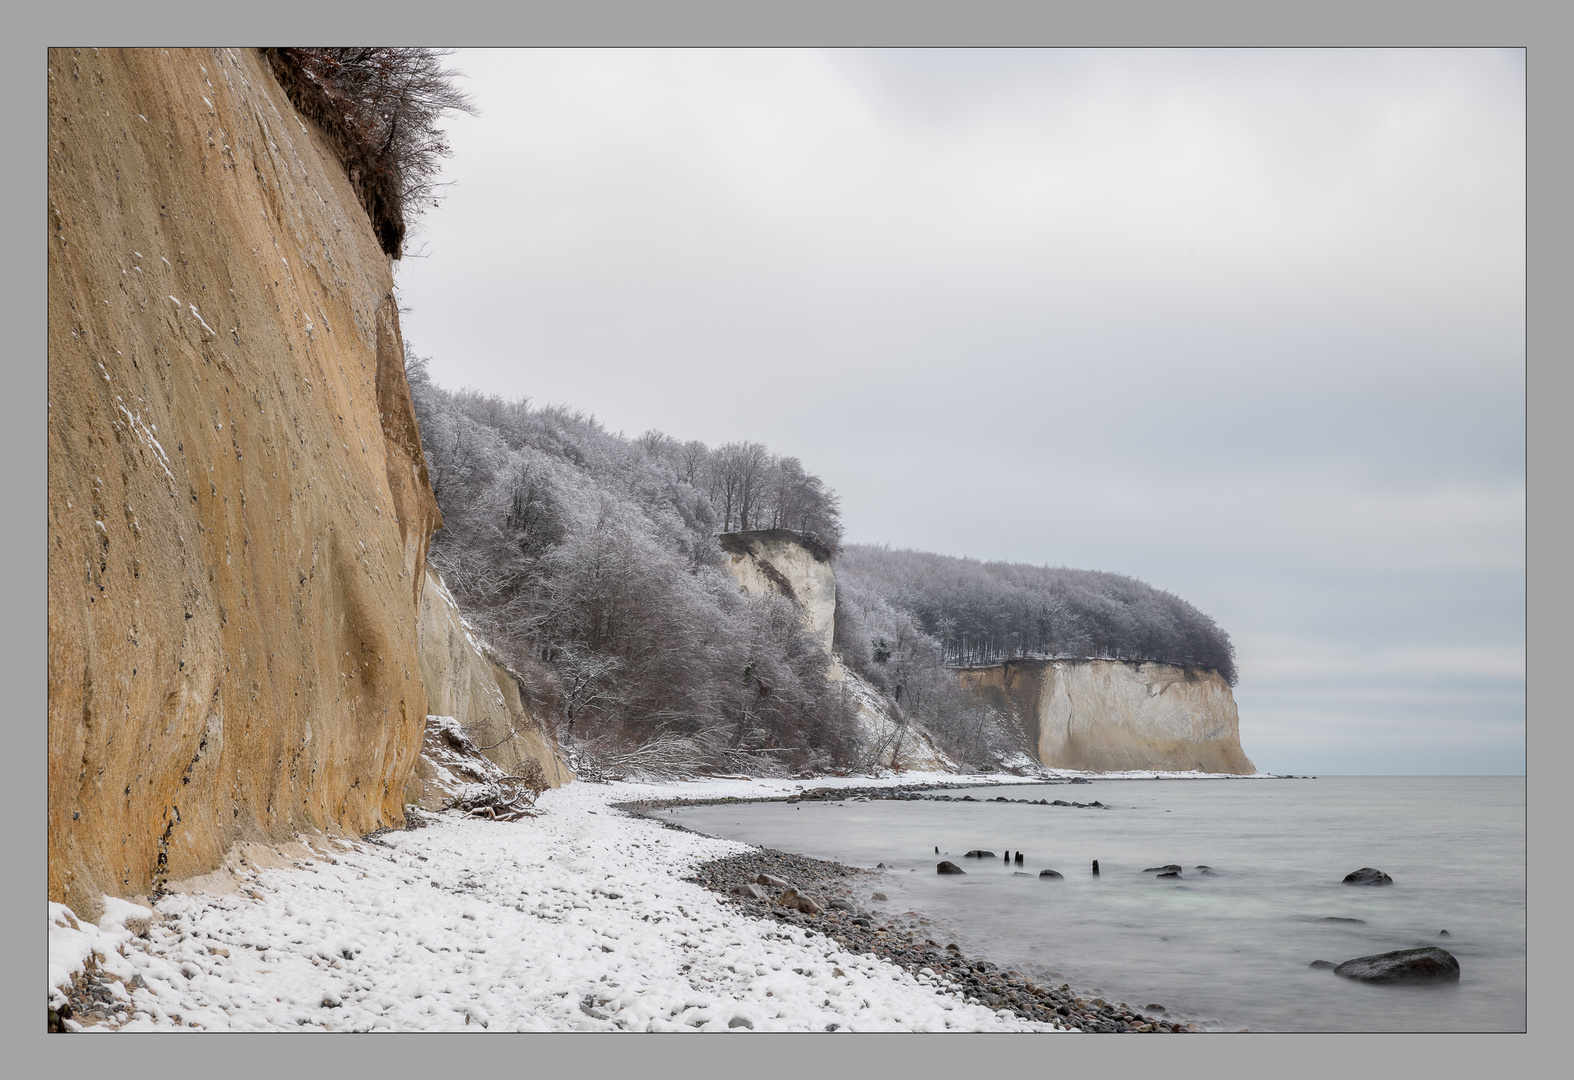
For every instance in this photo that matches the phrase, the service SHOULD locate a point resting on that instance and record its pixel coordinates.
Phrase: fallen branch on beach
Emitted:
(507, 799)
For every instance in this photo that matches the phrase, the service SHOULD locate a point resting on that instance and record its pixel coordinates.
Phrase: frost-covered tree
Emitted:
(591, 562)
(984, 612)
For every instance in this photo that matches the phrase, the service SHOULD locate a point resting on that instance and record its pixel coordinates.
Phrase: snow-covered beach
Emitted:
(576, 920)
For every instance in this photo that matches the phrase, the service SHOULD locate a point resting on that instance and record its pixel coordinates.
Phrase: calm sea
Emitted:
(1229, 951)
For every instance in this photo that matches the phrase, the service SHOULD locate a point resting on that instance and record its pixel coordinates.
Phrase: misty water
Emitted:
(1229, 951)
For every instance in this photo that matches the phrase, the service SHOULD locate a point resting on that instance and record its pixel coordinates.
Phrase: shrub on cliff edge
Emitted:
(380, 106)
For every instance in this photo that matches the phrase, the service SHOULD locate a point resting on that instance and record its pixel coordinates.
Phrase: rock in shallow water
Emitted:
(1402, 966)
(1321, 965)
(978, 853)
(1051, 874)
(901, 943)
(1170, 867)
(1367, 875)
(948, 867)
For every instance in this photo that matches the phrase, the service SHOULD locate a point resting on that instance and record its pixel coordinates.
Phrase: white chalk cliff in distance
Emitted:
(1111, 715)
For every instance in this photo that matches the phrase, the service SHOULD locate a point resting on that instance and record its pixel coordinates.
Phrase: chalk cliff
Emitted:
(797, 567)
(1109, 715)
(789, 564)
(238, 509)
(464, 680)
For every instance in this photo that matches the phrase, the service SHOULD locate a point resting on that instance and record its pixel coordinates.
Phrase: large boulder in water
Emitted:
(1367, 875)
(949, 867)
(979, 853)
(1403, 966)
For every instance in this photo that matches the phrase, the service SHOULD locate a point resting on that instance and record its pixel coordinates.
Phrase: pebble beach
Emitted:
(584, 918)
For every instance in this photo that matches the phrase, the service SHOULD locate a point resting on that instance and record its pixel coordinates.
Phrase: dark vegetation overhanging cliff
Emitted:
(378, 107)
(737, 543)
(238, 507)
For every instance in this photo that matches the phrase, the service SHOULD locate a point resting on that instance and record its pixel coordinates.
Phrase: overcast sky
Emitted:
(1248, 326)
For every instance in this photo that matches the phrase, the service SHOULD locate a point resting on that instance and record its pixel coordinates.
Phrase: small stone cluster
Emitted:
(94, 997)
(779, 885)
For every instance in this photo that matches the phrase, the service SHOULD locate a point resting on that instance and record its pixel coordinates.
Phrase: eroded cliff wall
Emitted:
(786, 563)
(797, 567)
(238, 506)
(465, 681)
(1108, 715)
(890, 740)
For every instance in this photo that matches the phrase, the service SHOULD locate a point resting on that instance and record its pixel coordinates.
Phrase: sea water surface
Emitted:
(1228, 950)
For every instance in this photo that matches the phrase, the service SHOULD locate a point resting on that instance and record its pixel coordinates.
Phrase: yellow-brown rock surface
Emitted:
(238, 507)
(466, 681)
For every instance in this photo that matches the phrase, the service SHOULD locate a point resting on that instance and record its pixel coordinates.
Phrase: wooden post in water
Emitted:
(1095, 868)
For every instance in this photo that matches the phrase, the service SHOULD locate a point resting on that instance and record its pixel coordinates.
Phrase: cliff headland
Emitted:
(1112, 715)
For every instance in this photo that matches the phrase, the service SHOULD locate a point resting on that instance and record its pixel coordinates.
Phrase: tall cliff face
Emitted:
(465, 681)
(238, 506)
(1108, 715)
(791, 565)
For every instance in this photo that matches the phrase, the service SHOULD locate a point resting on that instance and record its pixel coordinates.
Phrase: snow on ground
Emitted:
(577, 920)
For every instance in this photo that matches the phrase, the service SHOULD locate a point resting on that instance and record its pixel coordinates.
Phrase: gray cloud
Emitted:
(1248, 325)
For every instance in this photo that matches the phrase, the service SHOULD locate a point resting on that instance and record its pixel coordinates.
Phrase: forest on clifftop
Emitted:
(592, 562)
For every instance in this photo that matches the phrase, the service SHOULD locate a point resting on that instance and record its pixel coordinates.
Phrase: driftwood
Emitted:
(492, 794)
(508, 798)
